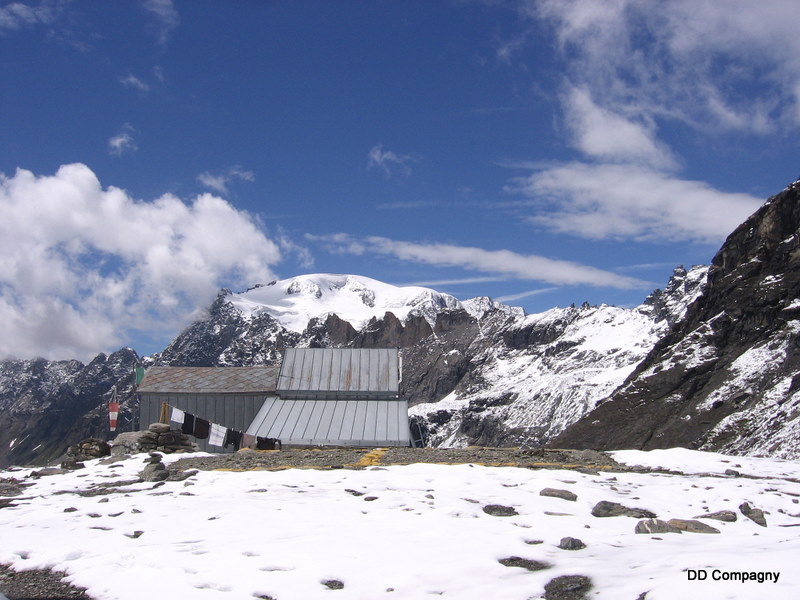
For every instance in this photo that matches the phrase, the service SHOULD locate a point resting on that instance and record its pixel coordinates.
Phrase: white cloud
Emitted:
(521, 295)
(122, 142)
(17, 15)
(133, 82)
(601, 201)
(86, 268)
(166, 18)
(707, 63)
(219, 181)
(601, 134)
(390, 162)
(505, 263)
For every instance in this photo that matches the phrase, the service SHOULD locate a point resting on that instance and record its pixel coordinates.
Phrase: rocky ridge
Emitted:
(725, 378)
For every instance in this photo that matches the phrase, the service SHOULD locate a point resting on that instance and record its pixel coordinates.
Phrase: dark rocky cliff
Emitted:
(726, 377)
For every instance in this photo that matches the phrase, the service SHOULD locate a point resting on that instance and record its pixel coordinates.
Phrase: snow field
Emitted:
(417, 531)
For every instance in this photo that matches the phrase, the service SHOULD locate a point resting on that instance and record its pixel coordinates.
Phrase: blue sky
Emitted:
(538, 152)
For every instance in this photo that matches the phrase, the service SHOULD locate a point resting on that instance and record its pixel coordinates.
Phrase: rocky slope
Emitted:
(47, 405)
(727, 377)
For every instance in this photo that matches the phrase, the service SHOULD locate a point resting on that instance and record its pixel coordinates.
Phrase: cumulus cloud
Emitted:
(504, 263)
(219, 180)
(86, 268)
(389, 162)
(123, 142)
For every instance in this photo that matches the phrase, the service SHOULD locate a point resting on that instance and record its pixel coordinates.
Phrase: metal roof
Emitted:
(333, 422)
(338, 373)
(207, 380)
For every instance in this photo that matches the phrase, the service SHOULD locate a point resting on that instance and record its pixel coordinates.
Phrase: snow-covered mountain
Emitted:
(47, 405)
(355, 299)
(726, 377)
(710, 361)
(531, 376)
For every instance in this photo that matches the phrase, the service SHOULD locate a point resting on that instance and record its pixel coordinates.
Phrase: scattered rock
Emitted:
(498, 510)
(568, 587)
(70, 509)
(655, 526)
(135, 534)
(534, 542)
(556, 493)
(370, 498)
(47, 471)
(333, 584)
(571, 543)
(754, 514)
(692, 526)
(72, 464)
(720, 515)
(524, 563)
(605, 508)
(732, 473)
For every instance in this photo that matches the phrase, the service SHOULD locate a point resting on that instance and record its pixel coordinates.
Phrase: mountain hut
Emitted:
(314, 397)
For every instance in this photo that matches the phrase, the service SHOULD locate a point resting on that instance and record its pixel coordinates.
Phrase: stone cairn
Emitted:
(158, 437)
(85, 450)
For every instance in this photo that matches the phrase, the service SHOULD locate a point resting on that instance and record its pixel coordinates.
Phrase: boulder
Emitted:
(571, 543)
(556, 493)
(720, 515)
(604, 508)
(498, 510)
(567, 587)
(692, 526)
(655, 526)
(756, 515)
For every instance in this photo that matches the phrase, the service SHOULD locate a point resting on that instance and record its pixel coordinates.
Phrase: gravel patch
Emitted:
(38, 584)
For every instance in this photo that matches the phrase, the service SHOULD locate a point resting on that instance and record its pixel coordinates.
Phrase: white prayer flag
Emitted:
(177, 416)
(216, 436)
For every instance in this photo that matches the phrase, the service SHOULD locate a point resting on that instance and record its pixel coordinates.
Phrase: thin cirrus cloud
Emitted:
(220, 180)
(133, 82)
(18, 15)
(390, 163)
(123, 142)
(165, 18)
(86, 267)
(690, 63)
(497, 263)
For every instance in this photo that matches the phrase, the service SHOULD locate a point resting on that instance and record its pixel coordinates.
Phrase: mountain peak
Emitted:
(356, 299)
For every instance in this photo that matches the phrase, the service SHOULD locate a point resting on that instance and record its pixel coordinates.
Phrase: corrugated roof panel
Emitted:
(216, 380)
(333, 422)
(339, 372)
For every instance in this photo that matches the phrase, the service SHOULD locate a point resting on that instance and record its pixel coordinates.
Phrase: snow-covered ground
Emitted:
(418, 531)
